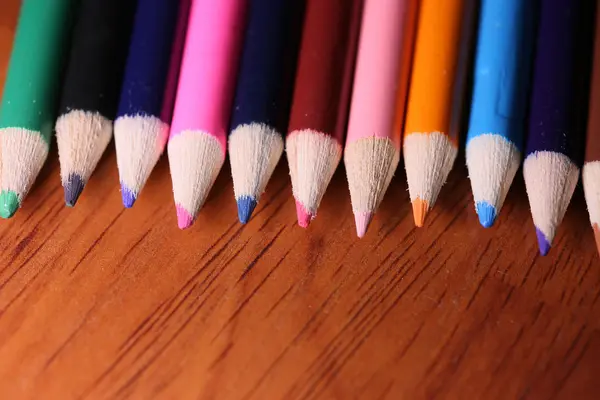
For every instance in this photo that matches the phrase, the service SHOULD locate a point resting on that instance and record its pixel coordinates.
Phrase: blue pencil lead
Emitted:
(245, 205)
(486, 213)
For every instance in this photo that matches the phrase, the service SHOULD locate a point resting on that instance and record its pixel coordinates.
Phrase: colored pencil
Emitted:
(197, 142)
(552, 160)
(372, 147)
(29, 99)
(591, 167)
(261, 105)
(321, 99)
(91, 89)
(434, 105)
(499, 105)
(146, 101)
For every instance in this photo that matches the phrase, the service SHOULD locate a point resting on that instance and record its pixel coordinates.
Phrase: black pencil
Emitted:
(91, 89)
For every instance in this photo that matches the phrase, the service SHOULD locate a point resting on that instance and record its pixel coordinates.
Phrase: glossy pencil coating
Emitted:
(552, 161)
(145, 105)
(197, 141)
(591, 168)
(503, 67)
(29, 101)
(434, 101)
(91, 88)
(372, 153)
(264, 89)
(321, 99)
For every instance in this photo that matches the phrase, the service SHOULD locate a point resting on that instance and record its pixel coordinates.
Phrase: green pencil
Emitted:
(30, 96)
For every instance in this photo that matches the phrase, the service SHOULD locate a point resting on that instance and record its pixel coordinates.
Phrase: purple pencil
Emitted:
(553, 151)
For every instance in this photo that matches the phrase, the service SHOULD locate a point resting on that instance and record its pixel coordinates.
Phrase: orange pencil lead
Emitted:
(420, 210)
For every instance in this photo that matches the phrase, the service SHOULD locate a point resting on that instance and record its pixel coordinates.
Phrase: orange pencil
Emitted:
(435, 98)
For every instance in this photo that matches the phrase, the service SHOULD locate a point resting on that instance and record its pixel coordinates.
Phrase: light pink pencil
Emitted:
(198, 138)
(380, 83)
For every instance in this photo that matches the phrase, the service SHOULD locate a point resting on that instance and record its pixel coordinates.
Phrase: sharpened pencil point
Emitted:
(420, 210)
(9, 203)
(304, 216)
(128, 196)
(597, 235)
(543, 242)
(362, 221)
(245, 206)
(486, 213)
(73, 188)
(184, 218)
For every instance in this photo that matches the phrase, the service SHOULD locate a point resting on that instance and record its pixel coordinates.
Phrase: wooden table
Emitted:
(99, 302)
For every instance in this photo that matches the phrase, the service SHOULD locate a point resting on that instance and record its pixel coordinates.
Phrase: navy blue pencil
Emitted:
(553, 151)
(262, 98)
(146, 102)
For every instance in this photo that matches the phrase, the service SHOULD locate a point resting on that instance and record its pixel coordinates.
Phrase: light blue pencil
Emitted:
(503, 66)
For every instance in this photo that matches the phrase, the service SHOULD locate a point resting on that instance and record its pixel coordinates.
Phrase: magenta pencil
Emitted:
(380, 83)
(197, 142)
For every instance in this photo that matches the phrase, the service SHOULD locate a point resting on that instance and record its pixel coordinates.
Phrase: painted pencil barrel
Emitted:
(197, 141)
(435, 66)
(97, 57)
(502, 72)
(30, 96)
(147, 66)
(208, 69)
(325, 67)
(385, 26)
(263, 88)
(141, 127)
(555, 85)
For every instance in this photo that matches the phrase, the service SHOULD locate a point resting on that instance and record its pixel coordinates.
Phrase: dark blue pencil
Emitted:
(553, 151)
(263, 93)
(143, 119)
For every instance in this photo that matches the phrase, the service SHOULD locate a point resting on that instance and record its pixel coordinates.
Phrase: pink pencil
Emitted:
(380, 83)
(198, 138)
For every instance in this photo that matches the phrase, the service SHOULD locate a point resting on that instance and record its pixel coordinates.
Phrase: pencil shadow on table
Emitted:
(223, 186)
(576, 223)
(50, 170)
(396, 203)
(105, 173)
(336, 205)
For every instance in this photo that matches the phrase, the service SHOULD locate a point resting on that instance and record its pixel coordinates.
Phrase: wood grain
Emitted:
(101, 303)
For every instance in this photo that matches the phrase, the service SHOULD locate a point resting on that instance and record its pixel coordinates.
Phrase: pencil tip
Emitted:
(486, 213)
(362, 221)
(73, 188)
(9, 203)
(128, 196)
(420, 210)
(245, 206)
(304, 216)
(184, 218)
(597, 235)
(543, 243)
